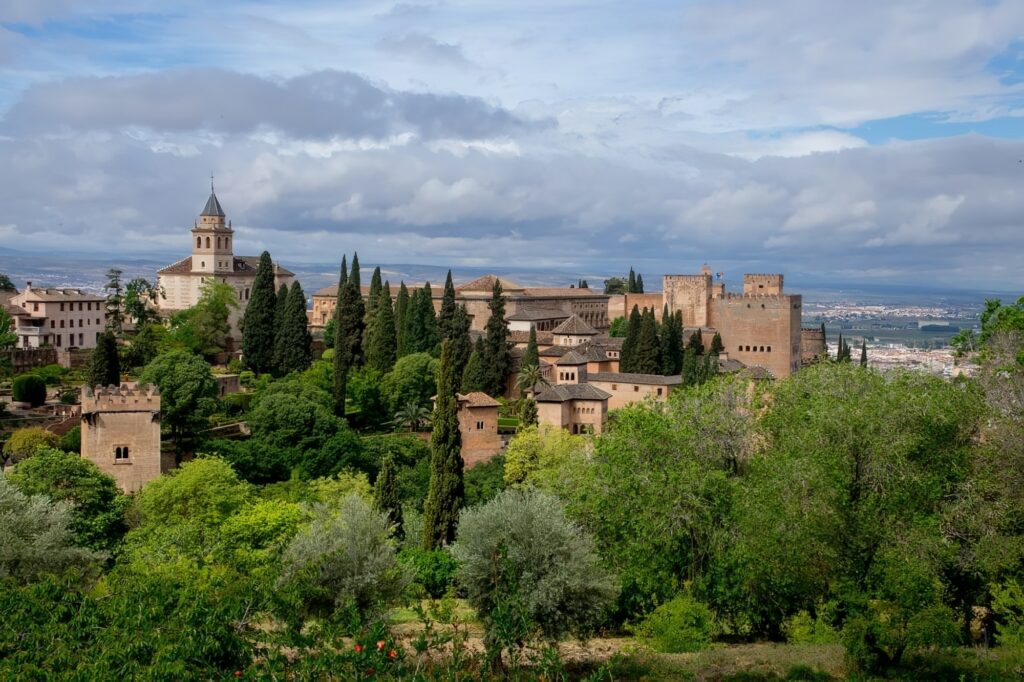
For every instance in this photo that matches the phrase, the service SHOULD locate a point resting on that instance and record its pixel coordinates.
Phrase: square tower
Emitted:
(121, 433)
(212, 252)
(758, 285)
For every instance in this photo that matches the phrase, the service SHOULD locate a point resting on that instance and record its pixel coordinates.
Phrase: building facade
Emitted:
(121, 433)
(62, 318)
(212, 239)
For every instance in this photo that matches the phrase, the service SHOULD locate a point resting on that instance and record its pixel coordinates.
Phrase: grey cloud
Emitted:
(322, 104)
(422, 47)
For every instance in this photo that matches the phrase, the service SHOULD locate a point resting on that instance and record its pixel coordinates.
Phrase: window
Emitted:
(479, 426)
(81, 339)
(769, 349)
(121, 454)
(53, 323)
(35, 307)
(218, 242)
(58, 338)
(62, 307)
(199, 242)
(615, 387)
(636, 389)
(62, 324)
(202, 264)
(207, 242)
(659, 391)
(97, 320)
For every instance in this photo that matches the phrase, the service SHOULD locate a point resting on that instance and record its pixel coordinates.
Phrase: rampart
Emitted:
(121, 433)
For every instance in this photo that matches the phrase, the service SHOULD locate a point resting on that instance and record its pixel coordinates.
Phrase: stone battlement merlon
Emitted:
(124, 397)
(788, 298)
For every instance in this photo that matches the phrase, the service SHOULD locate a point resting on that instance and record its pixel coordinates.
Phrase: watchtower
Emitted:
(121, 433)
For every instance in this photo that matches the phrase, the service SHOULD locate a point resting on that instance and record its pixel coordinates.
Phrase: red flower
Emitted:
(238, 673)
(370, 671)
(359, 648)
(392, 654)
(380, 644)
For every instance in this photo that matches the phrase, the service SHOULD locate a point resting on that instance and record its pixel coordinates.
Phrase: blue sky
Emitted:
(871, 141)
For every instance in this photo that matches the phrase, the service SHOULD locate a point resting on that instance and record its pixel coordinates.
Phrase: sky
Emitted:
(874, 142)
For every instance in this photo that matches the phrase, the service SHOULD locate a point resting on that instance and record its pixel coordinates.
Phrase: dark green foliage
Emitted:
(433, 569)
(295, 352)
(280, 315)
(329, 333)
(496, 362)
(6, 284)
(386, 498)
(258, 331)
(528, 415)
(115, 301)
(256, 461)
(29, 388)
(484, 481)
(646, 354)
(145, 344)
(139, 298)
(691, 368)
(864, 353)
(627, 356)
(444, 498)
(348, 332)
(382, 347)
(187, 391)
(531, 358)
(631, 282)
(367, 403)
(716, 344)
(97, 506)
(462, 346)
(401, 311)
(104, 368)
(671, 343)
(343, 450)
(696, 343)
(615, 285)
(842, 350)
(72, 440)
(618, 327)
(639, 284)
(373, 298)
(473, 374)
(446, 317)
(421, 331)
(413, 380)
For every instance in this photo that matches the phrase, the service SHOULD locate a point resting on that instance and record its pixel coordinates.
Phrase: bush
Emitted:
(803, 628)
(343, 564)
(433, 570)
(204, 490)
(51, 374)
(678, 626)
(25, 442)
(1008, 607)
(29, 388)
(69, 397)
(529, 571)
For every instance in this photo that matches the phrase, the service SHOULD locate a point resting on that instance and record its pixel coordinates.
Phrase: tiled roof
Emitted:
(554, 351)
(574, 326)
(561, 292)
(40, 295)
(529, 315)
(560, 393)
(244, 265)
(523, 336)
(628, 378)
(571, 358)
(478, 399)
(486, 283)
(212, 207)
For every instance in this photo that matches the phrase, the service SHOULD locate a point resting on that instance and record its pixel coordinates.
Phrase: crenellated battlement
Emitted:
(780, 298)
(121, 398)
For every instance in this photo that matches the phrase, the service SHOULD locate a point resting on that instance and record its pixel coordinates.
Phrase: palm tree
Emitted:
(411, 416)
(529, 377)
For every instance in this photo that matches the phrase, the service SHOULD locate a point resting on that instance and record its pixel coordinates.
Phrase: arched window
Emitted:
(207, 242)
(218, 242)
(199, 242)
(124, 452)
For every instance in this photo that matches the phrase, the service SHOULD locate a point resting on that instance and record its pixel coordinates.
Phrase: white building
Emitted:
(63, 318)
(212, 258)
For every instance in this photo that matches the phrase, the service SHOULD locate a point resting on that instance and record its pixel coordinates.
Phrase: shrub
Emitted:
(204, 490)
(51, 374)
(25, 442)
(434, 570)
(29, 388)
(68, 397)
(680, 625)
(803, 628)
(1008, 606)
(343, 564)
(529, 571)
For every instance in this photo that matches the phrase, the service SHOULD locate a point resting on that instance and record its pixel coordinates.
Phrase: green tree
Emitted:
(631, 282)
(627, 356)
(295, 352)
(528, 378)
(646, 355)
(618, 327)
(141, 298)
(462, 345)
(639, 284)
(104, 368)
(496, 362)
(411, 416)
(446, 317)
(413, 379)
(615, 286)
(444, 498)
(37, 537)
(6, 284)
(671, 344)
(258, 330)
(473, 374)
(381, 351)
(373, 299)
(696, 343)
(348, 335)
(531, 355)
(115, 301)
(864, 353)
(386, 497)
(421, 330)
(187, 392)
(204, 491)
(401, 312)
(205, 328)
(26, 441)
(29, 388)
(96, 506)
(716, 344)
(366, 397)
(147, 342)
(8, 337)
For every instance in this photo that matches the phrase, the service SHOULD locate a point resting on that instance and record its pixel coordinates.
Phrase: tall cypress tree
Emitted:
(716, 344)
(427, 322)
(531, 357)
(280, 305)
(258, 332)
(696, 343)
(348, 334)
(473, 374)
(374, 296)
(631, 282)
(295, 351)
(864, 353)
(386, 498)
(627, 354)
(462, 345)
(639, 284)
(446, 492)
(381, 351)
(446, 318)
(647, 353)
(401, 312)
(690, 369)
(104, 367)
(496, 360)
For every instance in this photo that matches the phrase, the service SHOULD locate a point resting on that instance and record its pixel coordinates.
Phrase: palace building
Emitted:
(213, 258)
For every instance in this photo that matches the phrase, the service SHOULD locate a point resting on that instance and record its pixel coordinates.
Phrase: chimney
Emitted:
(28, 285)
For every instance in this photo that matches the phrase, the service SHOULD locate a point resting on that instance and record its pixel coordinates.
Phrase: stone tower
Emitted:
(211, 240)
(121, 433)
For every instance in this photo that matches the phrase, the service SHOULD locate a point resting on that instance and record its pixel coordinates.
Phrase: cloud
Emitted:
(417, 46)
(321, 104)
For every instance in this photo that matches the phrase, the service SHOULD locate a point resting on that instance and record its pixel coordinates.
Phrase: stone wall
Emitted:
(762, 331)
(620, 305)
(691, 294)
(121, 434)
(626, 392)
(812, 345)
(25, 359)
(479, 443)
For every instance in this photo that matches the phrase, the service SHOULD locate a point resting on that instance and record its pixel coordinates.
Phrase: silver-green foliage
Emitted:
(343, 560)
(36, 537)
(547, 564)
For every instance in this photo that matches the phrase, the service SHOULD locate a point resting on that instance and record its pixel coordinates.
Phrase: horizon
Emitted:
(875, 145)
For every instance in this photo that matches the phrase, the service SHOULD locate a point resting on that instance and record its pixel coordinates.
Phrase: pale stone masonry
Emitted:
(121, 433)
(62, 318)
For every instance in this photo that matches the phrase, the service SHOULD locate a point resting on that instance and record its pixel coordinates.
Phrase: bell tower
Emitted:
(211, 239)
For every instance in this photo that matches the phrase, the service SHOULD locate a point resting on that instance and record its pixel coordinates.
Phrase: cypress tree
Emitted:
(386, 498)
(374, 296)
(258, 331)
(639, 284)
(383, 347)
(496, 360)
(647, 352)
(666, 336)
(689, 372)
(472, 375)
(864, 353)
(104, 363)
(280, 305)
(716, 344)
(295, 352)
(462, 345)
(528, 414)
(446, 492)
(584, 285)
(626, 355)
(401, 312)
(696, 343)
(353, 275)
(427, 322)
(530, 356)
(631, 282)
(348, 334)
(414, 331)
(446, 318)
